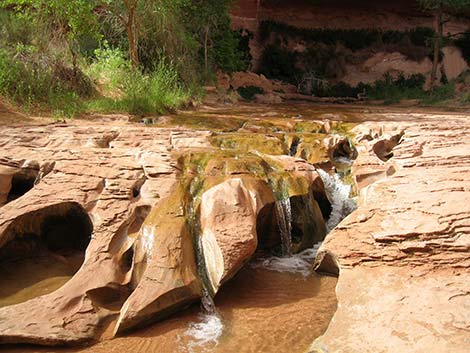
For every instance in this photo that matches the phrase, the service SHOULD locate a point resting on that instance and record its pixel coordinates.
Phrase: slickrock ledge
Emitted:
(131, 202)
(404, 255)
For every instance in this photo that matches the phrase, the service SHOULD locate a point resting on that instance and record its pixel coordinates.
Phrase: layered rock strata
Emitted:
(403, 256)
(133, 203)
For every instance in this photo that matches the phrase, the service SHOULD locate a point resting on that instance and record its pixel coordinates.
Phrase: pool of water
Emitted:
(26, 278)
(262, 309)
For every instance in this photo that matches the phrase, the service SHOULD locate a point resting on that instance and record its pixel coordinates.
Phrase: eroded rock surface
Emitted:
(403, 256)
(133, 202)
(109, 173)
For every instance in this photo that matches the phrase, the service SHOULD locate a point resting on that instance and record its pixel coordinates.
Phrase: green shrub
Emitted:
(441, 93)
(278, 63)
(138, 93)
(392, 90)
(31, 85)
(109, 68)
(228, 53)
(465, 99)
(340, 89)
(463, 42)
(354, 39)
(249, 92)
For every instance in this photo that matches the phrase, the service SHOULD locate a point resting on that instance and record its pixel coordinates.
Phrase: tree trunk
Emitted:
(437, 46)
(133, 53)
(206, 55)
(131, 30)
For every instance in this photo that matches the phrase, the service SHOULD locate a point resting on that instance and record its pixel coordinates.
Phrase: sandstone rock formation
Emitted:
(127, 204)
(403, 255)
(374, 68)
(453, 62)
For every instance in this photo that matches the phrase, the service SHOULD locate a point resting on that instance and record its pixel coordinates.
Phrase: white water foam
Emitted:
(204, 335)
(338, 194)
(298, 263)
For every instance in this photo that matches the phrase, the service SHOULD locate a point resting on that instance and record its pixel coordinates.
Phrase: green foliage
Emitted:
(226, 52)
(392, 90)
(449, 5)
(249, 92)
(354, 39)
(463, 42)
(134, 91)
(109, 68)
(69, 20)
(279, 64)
(440, 94)
(339, 89)
(209, 23)
(465, 99)
(31, 85)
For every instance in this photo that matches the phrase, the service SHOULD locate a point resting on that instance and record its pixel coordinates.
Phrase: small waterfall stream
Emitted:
(209, 327)
(342, 205)
(284, 221)
(338, 194)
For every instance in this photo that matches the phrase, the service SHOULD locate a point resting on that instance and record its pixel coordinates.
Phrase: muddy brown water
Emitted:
(27, 278)
(262, 311)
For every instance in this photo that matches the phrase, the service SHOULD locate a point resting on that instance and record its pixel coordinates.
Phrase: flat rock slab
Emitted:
(404, 255)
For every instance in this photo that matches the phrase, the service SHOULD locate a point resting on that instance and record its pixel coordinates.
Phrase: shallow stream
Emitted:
(261, 310)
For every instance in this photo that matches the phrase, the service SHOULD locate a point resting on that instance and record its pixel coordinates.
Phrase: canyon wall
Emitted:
(248, 15)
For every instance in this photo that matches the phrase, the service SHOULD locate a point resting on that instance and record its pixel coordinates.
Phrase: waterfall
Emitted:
(204, 334)
(207, 331)
(338, 194)
(284, 221)
(300, 263)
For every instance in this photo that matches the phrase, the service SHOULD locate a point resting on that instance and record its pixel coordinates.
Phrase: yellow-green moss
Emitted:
(250, 142)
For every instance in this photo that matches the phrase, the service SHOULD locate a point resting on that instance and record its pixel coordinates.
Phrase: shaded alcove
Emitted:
(21, 183)
(309, 213)
(41, 250)
(16, 184)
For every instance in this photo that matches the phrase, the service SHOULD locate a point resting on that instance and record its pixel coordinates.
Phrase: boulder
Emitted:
(229, 214)
(101, 182)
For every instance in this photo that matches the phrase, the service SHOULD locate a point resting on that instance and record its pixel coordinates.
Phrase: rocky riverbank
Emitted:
(140, 221)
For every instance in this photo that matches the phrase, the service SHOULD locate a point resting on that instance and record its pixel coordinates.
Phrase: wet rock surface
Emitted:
(403, 255)
(134, 200)
(139, 197)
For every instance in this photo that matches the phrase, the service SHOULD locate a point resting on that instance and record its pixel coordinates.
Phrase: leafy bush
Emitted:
(392, 90)
(137, 92)
(109, 68)
(249, 92)
(340, 89)
(29, 84)
(463, 42)
(353, 39)
(441, 93)
(279, 64)
(228, 53)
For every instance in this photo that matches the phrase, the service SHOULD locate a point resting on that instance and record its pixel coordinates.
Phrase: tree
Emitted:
(440, 8)
(65, 21)
(209, 21)
(129, 14)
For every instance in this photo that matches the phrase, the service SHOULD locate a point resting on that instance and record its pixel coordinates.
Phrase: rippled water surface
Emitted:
(260, 310)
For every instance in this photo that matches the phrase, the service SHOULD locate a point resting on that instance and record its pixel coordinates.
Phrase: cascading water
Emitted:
(204, 334)
(298, 263)
(342, 205)
(338, 194)
(284, 221)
